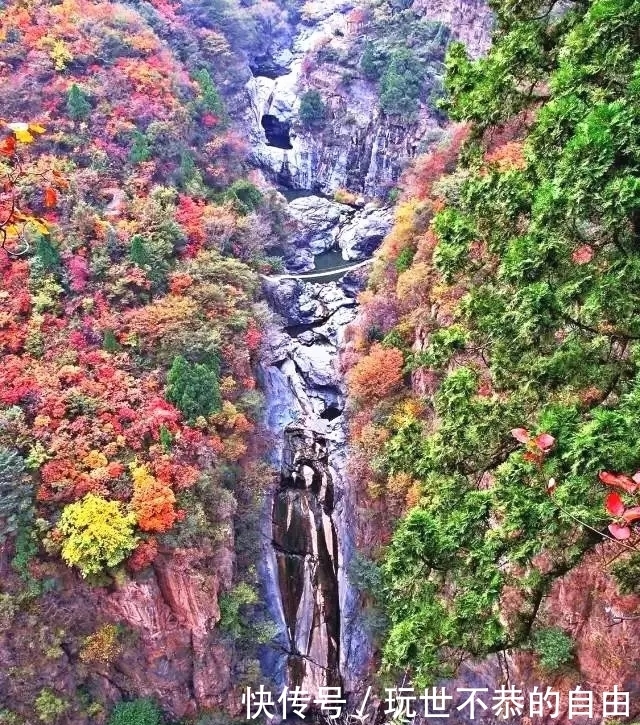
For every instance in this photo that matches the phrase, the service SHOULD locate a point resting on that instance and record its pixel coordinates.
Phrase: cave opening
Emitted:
(331, 413)
(276, 131)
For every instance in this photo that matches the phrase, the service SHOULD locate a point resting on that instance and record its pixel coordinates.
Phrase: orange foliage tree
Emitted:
(153, 501)
(377, 374)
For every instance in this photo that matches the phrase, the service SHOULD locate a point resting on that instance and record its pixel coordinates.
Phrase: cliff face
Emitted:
(173, 610)
(360, 147)
(470, 21)
(586, 604)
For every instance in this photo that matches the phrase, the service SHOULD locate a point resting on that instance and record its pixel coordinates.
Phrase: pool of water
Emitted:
(326, 261)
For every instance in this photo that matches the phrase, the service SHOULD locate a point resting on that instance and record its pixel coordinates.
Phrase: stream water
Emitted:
(308, 526)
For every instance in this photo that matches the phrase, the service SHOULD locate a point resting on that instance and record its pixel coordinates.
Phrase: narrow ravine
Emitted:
(306, 549)
(308, 540)
(309, 518)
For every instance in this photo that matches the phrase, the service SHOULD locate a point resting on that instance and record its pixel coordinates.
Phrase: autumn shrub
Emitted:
(153, 502)
(48, 706)
(377, 374)
(344, 196)
(143, 555)
(8, 717)
(103, 646)
(9, 606)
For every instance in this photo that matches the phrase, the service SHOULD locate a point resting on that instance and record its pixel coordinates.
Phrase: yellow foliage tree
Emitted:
(60, 55)
(97, 533)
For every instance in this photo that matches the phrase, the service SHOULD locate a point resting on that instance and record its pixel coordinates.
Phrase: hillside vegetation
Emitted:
(129, 322)
(499, 339)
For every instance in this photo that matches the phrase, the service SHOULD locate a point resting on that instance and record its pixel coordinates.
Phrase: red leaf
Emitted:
(8, 146)
(627, 483)
(636, 477)
(614, 504)
(619, 480)
(544, 441)
(620, 532)
(607, 478)
(632, 514)
(583, 254)
(50, 197)
(521, 434)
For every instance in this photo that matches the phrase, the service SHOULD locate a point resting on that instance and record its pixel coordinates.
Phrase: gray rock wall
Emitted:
(361, 149)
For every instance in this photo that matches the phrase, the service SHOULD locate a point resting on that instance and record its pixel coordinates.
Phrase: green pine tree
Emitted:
(109, 342)
(193, 388)
(313, 112)
(15, 495)
(142, 711)
(140, 148)
(78, 106)
(187, 167)
(138, 252)
(211, 100)
(373, 61)
(245, 196)
(401, 83)
(166, 439)
(47, 254)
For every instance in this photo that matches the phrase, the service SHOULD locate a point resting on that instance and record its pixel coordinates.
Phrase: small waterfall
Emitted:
(306, 546)
(309, 519)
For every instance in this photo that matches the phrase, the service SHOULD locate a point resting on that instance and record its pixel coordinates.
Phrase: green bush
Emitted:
(78, 106)
(193, 388)
(313, 111)
(373, 61)
(15, 495)
(231, 604)
(626, 572)
(401, 83)
(142, 711)
(49, 706)
(554, 647)
(405, 258)
(245, 196)
(140, 148)
(210, 96)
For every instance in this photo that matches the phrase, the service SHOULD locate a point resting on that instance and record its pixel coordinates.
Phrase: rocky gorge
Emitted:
(309, 527)
(173, 611)
(309, 517)
(361, 148)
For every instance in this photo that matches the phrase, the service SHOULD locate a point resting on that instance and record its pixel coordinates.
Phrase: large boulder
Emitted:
(318, 222)
(363, 234)
(303, 303)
